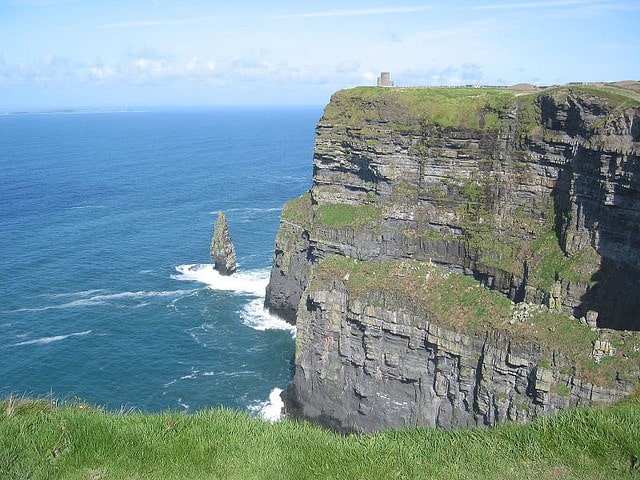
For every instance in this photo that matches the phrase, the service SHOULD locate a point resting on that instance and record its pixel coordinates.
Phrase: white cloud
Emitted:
(192, 64)
(48, 69)
(142, 63)
(369, 77)
(101, 72)
(354, 12)
(157, 23)
(195, 65)
(463, 74)
(542, 4)
(132, 70)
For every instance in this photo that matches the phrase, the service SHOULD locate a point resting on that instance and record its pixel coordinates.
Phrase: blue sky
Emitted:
(119, 53)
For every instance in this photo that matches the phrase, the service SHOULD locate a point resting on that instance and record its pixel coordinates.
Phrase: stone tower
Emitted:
(384, 80)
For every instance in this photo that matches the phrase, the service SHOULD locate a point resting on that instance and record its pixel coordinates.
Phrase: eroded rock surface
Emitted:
(223, 252)
(534, 195)
(367, 361)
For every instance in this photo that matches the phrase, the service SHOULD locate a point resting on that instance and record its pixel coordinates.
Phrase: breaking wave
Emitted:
(46, 340)
(251, 282)
(195, 374)
(251, 210)
(270, 410)
(254, 315)
(87, 207)
(91, 298)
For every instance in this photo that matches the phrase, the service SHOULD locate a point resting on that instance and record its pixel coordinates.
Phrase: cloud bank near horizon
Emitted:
(157, 52)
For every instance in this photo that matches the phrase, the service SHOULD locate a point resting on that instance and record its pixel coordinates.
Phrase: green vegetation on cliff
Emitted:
(460, 107)
(40, 440)
(550, 263)
(340, 216)
(616, 96)
(298, 210)
(302, 212)
(460, 303)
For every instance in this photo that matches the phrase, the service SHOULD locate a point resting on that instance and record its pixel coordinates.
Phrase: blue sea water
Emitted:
(107, 290)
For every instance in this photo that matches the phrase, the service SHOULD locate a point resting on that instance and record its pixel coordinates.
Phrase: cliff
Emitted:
(521, 212)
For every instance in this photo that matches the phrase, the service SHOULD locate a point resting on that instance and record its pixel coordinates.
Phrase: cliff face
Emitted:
(366, 361)
(534, 196)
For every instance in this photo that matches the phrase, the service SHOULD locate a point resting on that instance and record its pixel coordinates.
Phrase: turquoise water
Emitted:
(107, 289)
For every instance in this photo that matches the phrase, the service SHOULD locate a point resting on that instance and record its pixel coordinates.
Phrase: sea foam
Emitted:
(251, 282)
(272, 409)
(254, 315)
(56, 338)
(88, 299)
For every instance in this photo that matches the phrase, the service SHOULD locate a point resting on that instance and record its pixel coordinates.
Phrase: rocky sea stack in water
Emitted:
(223, 253)
(466, 256)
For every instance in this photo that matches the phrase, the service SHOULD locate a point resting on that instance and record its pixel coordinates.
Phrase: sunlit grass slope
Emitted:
(39, 440)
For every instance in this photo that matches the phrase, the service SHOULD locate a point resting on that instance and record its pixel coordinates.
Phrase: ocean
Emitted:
(108, 294)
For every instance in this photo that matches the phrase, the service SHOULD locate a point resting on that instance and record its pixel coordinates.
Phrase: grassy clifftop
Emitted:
(461, 107)
(40, 440)
(458, 107)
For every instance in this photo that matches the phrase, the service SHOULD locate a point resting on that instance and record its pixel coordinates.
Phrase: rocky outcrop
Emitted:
(223, 253)
(535, 196)
(554, 173)
(372, 360)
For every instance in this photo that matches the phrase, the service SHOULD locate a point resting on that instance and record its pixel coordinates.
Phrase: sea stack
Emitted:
(223, 253)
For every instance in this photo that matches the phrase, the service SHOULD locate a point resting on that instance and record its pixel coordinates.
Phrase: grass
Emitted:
(299, 210)
(549, 263)
(343, 215)
(39, 440)
(455, 300)
(460, 303)
(474, 108)
(465, 107)
(617, 97)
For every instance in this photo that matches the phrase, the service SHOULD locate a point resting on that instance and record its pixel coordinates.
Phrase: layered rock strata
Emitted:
(372, 358)
(223, 252)
(534, 195)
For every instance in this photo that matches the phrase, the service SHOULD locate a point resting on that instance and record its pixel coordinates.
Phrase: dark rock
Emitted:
(479, 200)
(536, 197)
(223, 253)
(361, 368)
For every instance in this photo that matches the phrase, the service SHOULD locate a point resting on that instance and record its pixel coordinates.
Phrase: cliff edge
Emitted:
(465, 256)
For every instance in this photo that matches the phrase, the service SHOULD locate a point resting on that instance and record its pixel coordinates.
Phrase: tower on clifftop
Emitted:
(384, 80)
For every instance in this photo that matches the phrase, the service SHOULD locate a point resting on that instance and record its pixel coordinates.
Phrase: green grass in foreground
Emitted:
(43, 441)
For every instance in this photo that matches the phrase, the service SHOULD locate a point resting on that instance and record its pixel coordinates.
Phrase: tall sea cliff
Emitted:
(465, 256)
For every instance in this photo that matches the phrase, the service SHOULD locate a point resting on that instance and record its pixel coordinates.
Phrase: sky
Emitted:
(127, 53)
